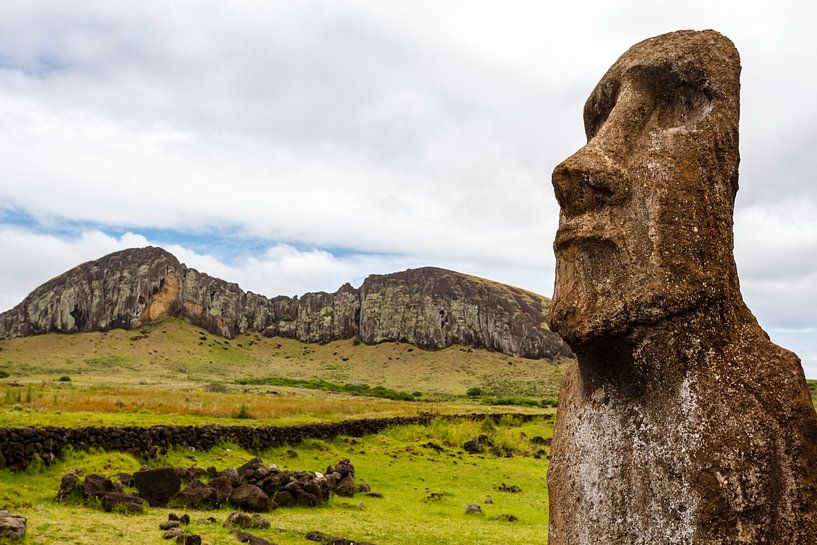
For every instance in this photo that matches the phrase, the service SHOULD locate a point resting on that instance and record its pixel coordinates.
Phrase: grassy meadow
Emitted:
(174, 373)
(398, 463)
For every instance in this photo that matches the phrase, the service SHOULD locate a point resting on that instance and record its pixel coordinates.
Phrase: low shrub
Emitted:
(356, 389)
(243, 412)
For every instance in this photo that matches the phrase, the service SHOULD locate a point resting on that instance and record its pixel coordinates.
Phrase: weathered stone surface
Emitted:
(435, 308)
(12, 527)
(250, 498)
(158, 485)
(96, 486)
(432, 308)
(122, 502)
(199, 496)
(68, 485)
(680, 423)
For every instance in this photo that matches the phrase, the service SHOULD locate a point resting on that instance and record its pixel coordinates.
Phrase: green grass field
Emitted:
(396, 463)
(174, 373)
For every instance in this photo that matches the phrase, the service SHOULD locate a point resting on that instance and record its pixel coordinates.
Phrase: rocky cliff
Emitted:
(432, 308)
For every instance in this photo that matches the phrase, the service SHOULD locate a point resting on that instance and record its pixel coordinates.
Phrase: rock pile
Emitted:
(254, 487)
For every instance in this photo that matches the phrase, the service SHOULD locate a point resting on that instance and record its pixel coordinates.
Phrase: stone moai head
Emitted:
(645, 230)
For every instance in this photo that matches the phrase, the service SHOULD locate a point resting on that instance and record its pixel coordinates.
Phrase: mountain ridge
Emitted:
(430, 307)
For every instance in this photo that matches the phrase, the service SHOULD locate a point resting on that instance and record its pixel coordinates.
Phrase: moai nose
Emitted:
(588, 180)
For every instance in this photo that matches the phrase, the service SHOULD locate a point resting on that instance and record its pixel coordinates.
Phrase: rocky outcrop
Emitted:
(680, 422)
(433, 308)
(430, 307)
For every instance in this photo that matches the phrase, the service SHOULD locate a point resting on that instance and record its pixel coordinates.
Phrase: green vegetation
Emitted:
(176, 352)
(174, 373)
(3, 374)
(325, 386)
(423, 474)
(520, 401)
(243, 412)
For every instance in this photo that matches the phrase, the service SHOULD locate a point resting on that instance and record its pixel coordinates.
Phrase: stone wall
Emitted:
(18, 446)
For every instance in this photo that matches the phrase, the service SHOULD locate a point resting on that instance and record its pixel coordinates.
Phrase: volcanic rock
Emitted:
(681, 422)
(432, 308)
(122, 501)
(96, 486)
(199, 496)
(157, 486)
(12, 527)
(251, 498)
(68, 485)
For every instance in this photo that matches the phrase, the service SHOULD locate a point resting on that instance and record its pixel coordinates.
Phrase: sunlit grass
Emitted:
(396, 463)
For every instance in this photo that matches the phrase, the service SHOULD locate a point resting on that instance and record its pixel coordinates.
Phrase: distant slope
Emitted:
(176, 354)
(429, 307)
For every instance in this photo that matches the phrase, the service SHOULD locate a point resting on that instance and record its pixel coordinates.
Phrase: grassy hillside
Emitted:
(173, 368)
(175, 350)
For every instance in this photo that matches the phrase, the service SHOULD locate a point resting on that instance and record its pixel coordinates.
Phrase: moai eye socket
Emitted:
(598, 107)
(681, 104)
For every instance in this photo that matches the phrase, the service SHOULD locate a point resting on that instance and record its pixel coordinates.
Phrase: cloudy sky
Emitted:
(296, 145)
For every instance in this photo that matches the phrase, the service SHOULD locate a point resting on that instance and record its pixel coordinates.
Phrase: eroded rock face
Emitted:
(680, 423)
(432, 308)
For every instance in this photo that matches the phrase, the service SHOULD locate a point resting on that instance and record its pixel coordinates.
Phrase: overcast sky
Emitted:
(294, 146)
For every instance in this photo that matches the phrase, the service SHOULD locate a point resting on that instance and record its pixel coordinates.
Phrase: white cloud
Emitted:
(419, 129)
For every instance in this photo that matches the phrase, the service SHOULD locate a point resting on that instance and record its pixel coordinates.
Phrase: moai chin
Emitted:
(681, 422)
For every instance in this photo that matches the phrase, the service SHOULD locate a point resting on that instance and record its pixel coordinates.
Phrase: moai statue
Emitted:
(681, 422)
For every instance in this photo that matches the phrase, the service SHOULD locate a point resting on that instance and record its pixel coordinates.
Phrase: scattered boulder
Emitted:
(251, 498)
(244, 537)
(198, 495)
(168, 524)
(12, 526)
(184, 519)
(320, 537)
(238, 520)
(120, 501)
(69, 486)
(259, 521)
(346, 487)
(157, 486)
(478, 445)
(172, 533)
(96, 486)
(473, 509)
(253, 471)
(223, 485)
(284, 498)
(231, 475)
(125, 479)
